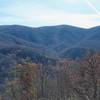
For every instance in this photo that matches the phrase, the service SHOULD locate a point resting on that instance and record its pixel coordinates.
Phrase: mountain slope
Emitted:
(52, 40)
(43, 45)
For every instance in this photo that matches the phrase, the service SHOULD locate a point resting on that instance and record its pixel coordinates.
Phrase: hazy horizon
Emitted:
(37, 13)
(49, 25)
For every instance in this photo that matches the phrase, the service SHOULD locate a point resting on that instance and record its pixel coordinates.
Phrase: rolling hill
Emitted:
(55, 40)
(44, 44)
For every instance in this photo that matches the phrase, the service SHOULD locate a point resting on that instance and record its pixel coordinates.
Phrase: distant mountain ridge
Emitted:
(56, 40)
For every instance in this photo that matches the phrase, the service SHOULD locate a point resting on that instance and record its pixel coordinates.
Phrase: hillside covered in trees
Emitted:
(49, 63)
(66, 80)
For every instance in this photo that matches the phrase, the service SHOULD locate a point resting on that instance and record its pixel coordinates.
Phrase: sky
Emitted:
(36, 13)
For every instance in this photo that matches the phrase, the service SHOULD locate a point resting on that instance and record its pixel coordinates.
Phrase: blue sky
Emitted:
(81, 13)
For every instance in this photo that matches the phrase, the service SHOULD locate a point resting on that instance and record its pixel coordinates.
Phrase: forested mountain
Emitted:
(47, 47)
(54, 39)
(49, 42)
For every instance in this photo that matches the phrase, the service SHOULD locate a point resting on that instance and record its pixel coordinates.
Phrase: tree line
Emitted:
(66, 80)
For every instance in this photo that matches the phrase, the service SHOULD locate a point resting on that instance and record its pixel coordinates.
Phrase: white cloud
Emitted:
(41, 17)
(55, 18)
(38, 15)
(70, 19)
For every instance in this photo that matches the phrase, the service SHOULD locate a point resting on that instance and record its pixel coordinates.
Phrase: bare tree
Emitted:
(87, 81)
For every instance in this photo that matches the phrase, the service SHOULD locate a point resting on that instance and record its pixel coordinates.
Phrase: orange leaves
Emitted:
(27, 77)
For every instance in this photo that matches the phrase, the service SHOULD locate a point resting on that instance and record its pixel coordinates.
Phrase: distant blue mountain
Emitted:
(50, 40)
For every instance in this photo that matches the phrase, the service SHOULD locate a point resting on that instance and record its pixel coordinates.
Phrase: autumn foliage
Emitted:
(67, 80)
